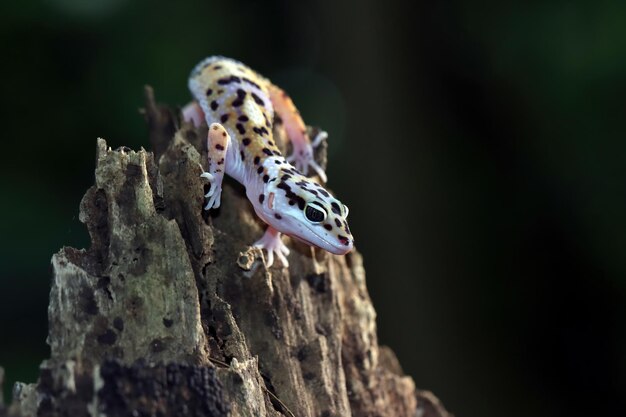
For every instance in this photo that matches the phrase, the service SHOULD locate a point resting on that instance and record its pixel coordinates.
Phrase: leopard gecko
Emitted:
(238, 105)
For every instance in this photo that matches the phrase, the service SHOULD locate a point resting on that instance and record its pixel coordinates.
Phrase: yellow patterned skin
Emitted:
(239, 105)
(237, 98)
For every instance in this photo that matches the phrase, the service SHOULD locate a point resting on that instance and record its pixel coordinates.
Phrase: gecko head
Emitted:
(302, 209)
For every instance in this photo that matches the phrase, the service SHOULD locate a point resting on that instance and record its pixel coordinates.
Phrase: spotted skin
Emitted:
(239, 107)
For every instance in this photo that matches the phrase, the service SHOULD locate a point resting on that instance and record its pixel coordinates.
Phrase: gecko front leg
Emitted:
(273, 244)
(218, 142)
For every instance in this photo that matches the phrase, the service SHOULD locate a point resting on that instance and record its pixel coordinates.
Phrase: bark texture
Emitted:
(170, 311)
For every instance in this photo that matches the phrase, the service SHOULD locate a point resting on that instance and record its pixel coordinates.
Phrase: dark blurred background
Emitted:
(479, 145)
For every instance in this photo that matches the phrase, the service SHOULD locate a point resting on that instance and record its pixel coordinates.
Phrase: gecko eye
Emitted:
(314, 213)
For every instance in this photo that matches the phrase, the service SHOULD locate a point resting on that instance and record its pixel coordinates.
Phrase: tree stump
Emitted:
(170, 312)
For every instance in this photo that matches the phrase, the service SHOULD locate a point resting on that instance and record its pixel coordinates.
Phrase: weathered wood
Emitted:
(171, 312)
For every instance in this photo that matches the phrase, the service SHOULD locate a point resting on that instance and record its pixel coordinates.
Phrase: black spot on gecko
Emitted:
(266, 178)
(344, 240)
(237, 102)
(219, 147)
(217, 67)
(328, 227)
(214, 105)
(243, 156)
(220, 162)
(269, 142)
(291, 195)
(260, 170)
(241, 94)
(228, 80)
(337, 222)
(277, 153)
(267, 122)
(335, 208)
(278, 216)
(209, 91)
(257, 160)
(240, 128)
(245, 141)
(267, 151)
(224, 118)
(243, 118)
(323, 192)
(257, 130)
(257, 99)
(261, 198)
(285, 177)
(249, 81)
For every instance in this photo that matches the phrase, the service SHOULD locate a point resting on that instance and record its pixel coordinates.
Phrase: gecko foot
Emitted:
(215, 193)
(193, 113)
(274, 245)
(302, 157)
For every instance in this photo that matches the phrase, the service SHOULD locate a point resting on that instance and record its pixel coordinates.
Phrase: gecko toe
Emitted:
(275, 249)
(321, 136)
(318, 170)
(283, 259)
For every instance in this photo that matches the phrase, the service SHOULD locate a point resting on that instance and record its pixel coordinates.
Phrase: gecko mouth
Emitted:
(339, 248)
(299, 239)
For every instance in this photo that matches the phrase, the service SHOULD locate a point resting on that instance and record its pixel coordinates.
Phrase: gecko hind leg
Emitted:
(302, 156)
(273, 244)
(193, 112)
(217, 141)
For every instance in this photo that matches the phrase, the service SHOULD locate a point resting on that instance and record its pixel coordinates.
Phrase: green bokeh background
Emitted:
(479, 145)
